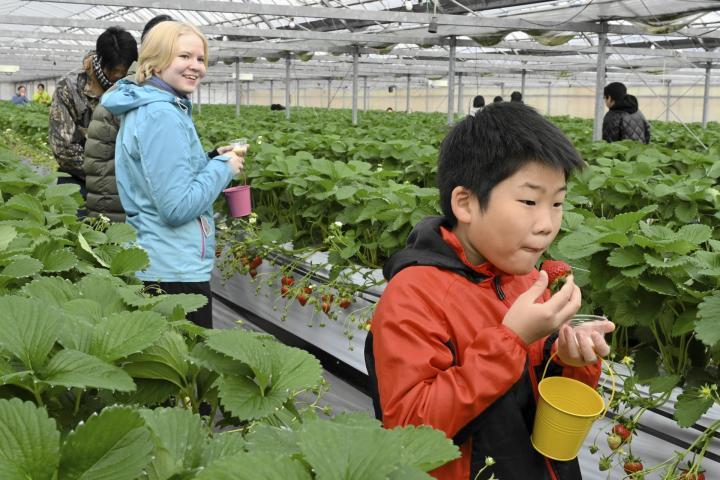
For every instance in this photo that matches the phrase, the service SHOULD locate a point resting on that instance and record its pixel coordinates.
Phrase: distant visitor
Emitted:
(624, 120)
(516, 97)
(19, 98)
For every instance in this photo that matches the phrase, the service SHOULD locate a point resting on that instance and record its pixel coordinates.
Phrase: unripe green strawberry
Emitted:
(614, 441)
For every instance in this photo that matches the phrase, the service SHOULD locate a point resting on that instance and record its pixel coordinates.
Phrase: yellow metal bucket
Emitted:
(566, 410)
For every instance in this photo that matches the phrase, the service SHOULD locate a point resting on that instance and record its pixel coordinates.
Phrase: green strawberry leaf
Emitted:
(29, 442)
(29, 329)
(53, 290)
(120, 233)
(124, 334)
(70, 368)
(179, 437)
(129, 261)
(22, 266)
(690, 406)
(257, 466)
(707, 327)
(114, 445)
(625, 257)
(424, 447)
(663, 384)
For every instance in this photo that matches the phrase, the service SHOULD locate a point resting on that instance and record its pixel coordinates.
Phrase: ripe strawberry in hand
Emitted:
(557, 272)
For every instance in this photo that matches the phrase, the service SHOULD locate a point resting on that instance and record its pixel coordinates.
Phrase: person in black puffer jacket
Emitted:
(623, 121)
(99, 157)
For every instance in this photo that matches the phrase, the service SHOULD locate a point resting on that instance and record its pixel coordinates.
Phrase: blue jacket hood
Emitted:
(128, 96)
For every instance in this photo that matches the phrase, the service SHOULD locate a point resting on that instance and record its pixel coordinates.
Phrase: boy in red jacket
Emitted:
(466, 323)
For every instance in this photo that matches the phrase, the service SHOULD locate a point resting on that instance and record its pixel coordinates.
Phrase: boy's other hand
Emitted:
(532, 321)
(235, 162)
(582, 345)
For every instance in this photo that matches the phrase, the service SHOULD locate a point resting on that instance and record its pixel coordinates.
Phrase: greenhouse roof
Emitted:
(647, 38)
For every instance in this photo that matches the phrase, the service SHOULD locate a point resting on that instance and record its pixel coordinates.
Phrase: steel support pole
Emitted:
(329, 92)
(668, 98)
(427, 95)
(706, 95)
(227, 93)
(199, 102)
(502, 90)
(366, 100)
(549, 98)
(297, 92)
(287, 87)
(272, 91)
(407, 95)
(600, 84)
(247, 87)
(522, 81)
(237, 87)
(460, 108)
(356, 56)
(451, 81)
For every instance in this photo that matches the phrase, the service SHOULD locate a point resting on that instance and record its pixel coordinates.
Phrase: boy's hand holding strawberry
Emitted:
(577, 346)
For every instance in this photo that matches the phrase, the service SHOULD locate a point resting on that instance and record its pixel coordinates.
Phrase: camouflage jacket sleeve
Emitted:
(65, 137)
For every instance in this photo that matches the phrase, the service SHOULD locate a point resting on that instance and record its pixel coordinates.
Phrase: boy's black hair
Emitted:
(19, 87)
(478, 101)
(41, 85)
(115, 46)
(152, 22)
(497, 99)
(482, 151)
(516, 96)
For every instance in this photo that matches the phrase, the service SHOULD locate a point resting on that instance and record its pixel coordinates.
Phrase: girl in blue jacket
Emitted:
(167, 183)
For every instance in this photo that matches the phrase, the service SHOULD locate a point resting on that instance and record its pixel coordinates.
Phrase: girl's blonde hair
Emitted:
(159, 47)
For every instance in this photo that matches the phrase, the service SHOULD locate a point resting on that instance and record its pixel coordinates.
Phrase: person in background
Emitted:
(20, 98)
(167, 183)
(624, 120)
(389, 109)
(466, 322)
(497, 99)
(99, 157)
(41, 95)
(516, 97)
(76, 96)
(477, 104)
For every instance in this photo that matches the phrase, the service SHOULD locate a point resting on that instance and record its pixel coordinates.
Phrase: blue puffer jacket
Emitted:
(166, 182)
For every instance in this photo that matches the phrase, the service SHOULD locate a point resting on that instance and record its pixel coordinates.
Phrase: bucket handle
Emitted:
(612, 379)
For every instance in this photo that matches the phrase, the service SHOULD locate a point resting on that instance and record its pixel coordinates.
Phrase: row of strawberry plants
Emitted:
(625, 225)
(101, 379)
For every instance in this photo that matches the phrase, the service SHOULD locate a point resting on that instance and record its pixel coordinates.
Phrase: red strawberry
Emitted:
(218, 252)
(256, 262)
(287, 280)
(632, 465)
(302, 299)
(325, 307)
(327, 298)
(284, 291)
(557, 272)
(308, 290)
(253, 273)
(345, 302)
(622, 431)
(614, 441)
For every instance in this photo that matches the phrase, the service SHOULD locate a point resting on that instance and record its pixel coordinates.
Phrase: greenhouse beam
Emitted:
(460, 107)
(706, 94)
(272, 91)
(287, 87)
(600, 84)
(227, 93)
(451, 78)
(522, 80)
(247, 91)
(356, 55)
(237, 86)
(668, 98)
(297, 91)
